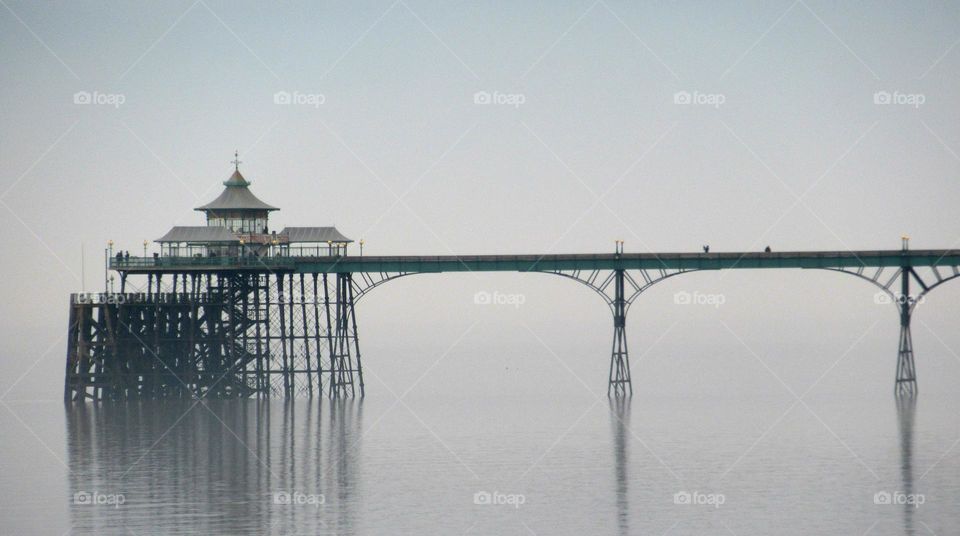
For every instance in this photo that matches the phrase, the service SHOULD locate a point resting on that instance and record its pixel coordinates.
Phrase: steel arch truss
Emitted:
(894, 282)
(364, 282)
(619, 288)
(603, 282)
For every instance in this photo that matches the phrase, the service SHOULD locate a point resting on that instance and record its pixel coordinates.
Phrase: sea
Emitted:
(499, 462)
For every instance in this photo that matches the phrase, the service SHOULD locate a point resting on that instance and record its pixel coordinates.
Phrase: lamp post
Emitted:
(242, 242)
(144, 248)
(361, 247)
(274, 242)
(330, 248)
(107, 253)
(905, 242)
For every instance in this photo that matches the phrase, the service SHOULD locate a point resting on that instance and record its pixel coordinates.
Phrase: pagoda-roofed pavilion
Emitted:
(237, 224)
(237, 209)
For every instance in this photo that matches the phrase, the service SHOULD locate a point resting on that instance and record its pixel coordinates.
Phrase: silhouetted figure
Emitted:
(706, 249)
(766, 249)
(126, 255)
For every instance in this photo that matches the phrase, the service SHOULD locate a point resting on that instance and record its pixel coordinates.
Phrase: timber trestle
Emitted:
(217, 335)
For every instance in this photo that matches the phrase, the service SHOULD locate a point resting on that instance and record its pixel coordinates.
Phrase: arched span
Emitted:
(600, 281)
(887, 284)
(905, 384)
(368, 281)
(939, 280)
(876, 279)
(605, 285)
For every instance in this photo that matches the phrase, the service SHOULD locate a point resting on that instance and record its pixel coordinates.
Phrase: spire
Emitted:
(236, 179)
(237, 195)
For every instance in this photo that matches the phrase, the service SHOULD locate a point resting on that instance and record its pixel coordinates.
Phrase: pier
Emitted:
(232, 309)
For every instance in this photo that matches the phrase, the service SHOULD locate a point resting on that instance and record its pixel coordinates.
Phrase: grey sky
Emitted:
(785, 144)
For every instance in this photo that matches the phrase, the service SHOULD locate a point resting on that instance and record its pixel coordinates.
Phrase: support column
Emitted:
(906, 383)
(356, 335)
(286, 367)
(343, 370)
(72, 379)
(620, 384)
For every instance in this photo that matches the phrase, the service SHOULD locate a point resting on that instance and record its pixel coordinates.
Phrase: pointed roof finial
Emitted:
(236, 160)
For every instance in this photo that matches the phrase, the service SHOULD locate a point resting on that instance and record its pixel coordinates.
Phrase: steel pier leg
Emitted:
(906, 383)
(620, 384)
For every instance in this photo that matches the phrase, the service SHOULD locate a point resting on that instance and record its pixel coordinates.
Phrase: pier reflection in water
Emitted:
(583, 466)
(619, 421)
(234, 467)
(906, 409)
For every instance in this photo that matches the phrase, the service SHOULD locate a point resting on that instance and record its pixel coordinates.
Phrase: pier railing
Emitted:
(266, 262)
(947, 260)
(134, 298)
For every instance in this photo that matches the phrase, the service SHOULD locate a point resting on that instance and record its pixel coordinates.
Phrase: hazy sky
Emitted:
(810, 125)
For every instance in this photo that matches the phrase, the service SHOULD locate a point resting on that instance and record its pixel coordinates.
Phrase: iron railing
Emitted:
(276, 261)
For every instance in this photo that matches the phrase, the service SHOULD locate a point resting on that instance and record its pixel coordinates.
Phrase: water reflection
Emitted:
(619, 421)
(235, 467)
(906, 409)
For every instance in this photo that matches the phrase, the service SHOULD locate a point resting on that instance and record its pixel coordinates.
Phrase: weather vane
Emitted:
(236, 160)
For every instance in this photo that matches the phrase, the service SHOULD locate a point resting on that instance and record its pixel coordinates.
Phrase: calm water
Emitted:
(550, 466)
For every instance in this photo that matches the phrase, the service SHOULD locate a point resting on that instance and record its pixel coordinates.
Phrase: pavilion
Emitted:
(237, 225)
